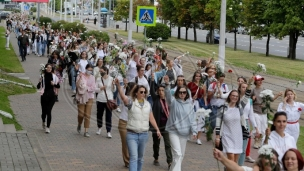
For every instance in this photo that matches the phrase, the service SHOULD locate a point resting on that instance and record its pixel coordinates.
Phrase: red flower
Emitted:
(299, 109)
(230, 71)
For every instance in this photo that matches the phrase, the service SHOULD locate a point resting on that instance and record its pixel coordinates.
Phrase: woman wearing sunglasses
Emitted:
(181, 122)
(139, 115)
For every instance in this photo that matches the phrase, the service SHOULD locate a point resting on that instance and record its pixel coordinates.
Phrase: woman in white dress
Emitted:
(293, 110)
(278, 138)
(230, 121)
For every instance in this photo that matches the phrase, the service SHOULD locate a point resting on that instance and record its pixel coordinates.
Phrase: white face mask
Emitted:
(89, 72)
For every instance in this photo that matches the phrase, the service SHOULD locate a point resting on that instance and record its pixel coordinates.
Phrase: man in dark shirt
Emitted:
(23, 43)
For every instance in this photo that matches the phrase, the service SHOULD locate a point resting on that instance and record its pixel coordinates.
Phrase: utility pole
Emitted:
(60, 9)
(54, 9)
(72, 12)
(130, 20)
(99, 18)
(65, 10)
(222, 35)
(108, 16)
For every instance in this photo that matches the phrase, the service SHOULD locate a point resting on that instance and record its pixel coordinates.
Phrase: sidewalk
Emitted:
(64, 149)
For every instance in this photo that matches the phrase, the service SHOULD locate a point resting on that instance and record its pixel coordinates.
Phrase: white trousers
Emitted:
(7, 42)
(293, 130)
(262, 122)
(178, 147)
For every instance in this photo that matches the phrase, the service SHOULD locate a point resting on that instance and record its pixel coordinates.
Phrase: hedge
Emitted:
(160, 30)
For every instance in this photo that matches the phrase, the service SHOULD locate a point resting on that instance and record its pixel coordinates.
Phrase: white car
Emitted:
(95, 13)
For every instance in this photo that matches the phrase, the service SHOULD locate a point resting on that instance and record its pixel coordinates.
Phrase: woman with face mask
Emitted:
(105, 88)
(85, 84)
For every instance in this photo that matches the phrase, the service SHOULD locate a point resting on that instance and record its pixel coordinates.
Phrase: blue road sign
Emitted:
(146, 16)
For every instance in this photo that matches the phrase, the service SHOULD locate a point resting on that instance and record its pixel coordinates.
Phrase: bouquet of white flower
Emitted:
(260, 68)
(267, 96)
(205, 114)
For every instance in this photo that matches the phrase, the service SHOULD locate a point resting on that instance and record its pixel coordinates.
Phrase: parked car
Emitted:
(95, 13)
(85, 13)
(4, 14)
(216, 37)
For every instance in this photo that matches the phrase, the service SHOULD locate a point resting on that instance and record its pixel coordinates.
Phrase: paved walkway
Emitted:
(65, 149)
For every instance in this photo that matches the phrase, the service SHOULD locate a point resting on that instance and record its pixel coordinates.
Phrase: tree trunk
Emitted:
(178, 33)
(267, 44)
(170, 28)
(186, 36)
(235, 43)
(126, 24)
(194, 32)
(136, 28)
(250, 44)
(211, 35)
(293, 38)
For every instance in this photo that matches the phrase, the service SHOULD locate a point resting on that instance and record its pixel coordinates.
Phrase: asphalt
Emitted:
(65, 149)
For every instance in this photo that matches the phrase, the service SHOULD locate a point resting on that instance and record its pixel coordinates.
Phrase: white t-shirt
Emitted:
(100, 54)
(82, 64)
(142, 81)
(217, 101)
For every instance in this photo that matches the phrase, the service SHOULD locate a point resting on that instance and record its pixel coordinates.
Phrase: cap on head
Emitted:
(258, 78)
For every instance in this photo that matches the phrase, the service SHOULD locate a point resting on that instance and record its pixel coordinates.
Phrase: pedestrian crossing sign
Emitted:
(146, 16)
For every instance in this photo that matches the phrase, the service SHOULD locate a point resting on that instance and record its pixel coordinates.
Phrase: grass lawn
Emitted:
(275, 65)
(8, 89)
(9, 63)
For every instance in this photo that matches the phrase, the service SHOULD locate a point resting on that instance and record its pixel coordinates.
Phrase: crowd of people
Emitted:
(147, 87)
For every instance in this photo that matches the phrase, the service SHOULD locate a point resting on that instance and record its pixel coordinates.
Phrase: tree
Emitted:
(122, 11)
(256, 20)
(234, 17)
(212, 17)
(288, 19)
(167, 11)
(183, 16)
(197, 13)
(139, 3)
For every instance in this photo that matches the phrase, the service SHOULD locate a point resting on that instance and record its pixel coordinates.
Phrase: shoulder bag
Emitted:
(111, 104)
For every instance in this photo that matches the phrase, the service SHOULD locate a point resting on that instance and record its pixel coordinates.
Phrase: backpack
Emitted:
(136, 79)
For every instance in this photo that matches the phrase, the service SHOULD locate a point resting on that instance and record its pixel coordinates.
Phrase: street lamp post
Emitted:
(99, 18)
(60, 9)
(130, 19)
(65, 10)
(222, 35)
(72, 12)
(54, 9)
(109, 12)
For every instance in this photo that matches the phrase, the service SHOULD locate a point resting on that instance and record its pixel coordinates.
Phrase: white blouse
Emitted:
(293, 111)
(248, 113)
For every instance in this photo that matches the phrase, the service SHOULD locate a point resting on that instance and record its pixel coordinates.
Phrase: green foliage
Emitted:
(43, 21)
(99, 35)
(58, 25)
(33, 9)
(160, 30)
(122, 10)
(74, 27)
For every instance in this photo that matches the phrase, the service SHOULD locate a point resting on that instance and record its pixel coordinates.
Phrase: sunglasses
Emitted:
(182, 92)
(142, 92)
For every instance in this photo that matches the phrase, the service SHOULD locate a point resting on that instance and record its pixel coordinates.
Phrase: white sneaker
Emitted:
(109, 135)
(74, 91)
(47, 130)
(198, 141)
(99, 131)
(118, 110)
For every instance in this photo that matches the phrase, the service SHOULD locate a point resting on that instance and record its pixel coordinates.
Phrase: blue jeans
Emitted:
(73, 77)
(136, 146)
(115, 94)
(243, 154)
(38, 48)
(150, 100)
(20, 49)
(212, 118)
(43, 45)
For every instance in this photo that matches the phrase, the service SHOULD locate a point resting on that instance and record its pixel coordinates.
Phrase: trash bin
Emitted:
(117, 26)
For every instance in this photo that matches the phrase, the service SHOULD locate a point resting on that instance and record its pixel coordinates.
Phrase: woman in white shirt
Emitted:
(97, 68)
(100, 52)
(293, 110)
(278, 138)
(105, 88)
(82, 62)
